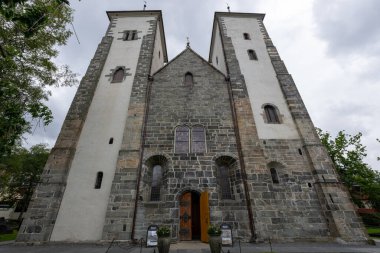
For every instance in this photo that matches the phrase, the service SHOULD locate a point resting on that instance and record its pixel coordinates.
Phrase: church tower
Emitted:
(293, 191)
(102, 127)
(188, 143)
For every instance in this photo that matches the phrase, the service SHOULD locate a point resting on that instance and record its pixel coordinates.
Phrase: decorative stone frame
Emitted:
(124, 35)
(113, 71)
(279, 115)
(190, 127)
(279, 167)
(234, 172)
(184, 80)
(147, 173)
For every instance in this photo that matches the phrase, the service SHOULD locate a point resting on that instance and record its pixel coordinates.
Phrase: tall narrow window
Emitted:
(198, 139)
(98, 181)
(182, 139)
(156, 183)
(118, 75)
(224, 182)
(274, 175)
(246, 36)
(271, 114)
(189, 79)
(252, 54)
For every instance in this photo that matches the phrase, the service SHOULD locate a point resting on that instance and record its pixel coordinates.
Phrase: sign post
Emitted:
(226, 234)
(151, 236)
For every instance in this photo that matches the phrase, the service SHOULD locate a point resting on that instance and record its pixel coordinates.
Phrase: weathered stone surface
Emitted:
(48, 194)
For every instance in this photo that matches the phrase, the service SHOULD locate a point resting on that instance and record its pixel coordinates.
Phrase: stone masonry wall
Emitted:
(291, 209)
(43, 208)
(121, 206)
(207, 104)
(335, 202)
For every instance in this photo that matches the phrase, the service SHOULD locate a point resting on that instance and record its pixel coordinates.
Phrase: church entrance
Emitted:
(194, 216)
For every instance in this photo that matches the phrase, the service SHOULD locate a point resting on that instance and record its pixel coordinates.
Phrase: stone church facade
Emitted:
(188, 143)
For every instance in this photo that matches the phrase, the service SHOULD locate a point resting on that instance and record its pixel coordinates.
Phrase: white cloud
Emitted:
(331, 48)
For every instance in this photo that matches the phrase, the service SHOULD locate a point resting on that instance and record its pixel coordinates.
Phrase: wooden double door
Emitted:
(194, 216)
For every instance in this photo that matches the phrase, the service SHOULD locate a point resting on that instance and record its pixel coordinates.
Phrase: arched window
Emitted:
(224, 182)
(228, 176)
(198, 139)
(156, 183)
(271, 114)
(246, 36)
(274, 175)
(98, 181)
(252, 54)
(118, 75)
(182, 139)
(189, 79)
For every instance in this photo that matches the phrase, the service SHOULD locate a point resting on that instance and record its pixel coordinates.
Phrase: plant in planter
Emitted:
(215, 241)
(163, 243)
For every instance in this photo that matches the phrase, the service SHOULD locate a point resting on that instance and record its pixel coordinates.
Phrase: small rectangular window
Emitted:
(246, 36)
(99, 178)
(252, 55)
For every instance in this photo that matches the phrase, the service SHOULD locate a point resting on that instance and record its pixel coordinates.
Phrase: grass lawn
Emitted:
(373, 230)
(8, 237)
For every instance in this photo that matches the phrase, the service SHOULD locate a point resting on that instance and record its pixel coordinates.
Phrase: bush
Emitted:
(214, 230)
(371, 219)
(163, 231)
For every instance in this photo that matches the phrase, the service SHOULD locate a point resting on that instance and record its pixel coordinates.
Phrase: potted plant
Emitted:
(215, 241)
(163, 243)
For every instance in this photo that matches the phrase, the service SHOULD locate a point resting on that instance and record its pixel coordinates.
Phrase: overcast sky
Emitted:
(331, 48)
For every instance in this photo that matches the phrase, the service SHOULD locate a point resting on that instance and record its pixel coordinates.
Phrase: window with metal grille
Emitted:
(274, 175)
(189, 79)
(156, 183)
(271, 114)
(246, 36)
(118, 75)
(98, 181)
(198, 139)
(252, 54)
(130, 35)
(224, 182)
(182, 139)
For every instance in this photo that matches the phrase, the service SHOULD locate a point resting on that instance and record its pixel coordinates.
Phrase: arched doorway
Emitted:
(194, 216)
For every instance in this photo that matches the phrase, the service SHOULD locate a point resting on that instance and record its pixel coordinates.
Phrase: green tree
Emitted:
(20, 172)
(30, 31)
(347, 153)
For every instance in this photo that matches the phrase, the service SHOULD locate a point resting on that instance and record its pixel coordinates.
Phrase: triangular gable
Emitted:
(192, 51)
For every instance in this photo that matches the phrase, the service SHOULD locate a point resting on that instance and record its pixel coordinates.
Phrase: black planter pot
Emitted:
(215, 243)
(163, 244)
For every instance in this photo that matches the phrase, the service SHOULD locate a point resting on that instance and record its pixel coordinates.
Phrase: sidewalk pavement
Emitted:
(191, 247)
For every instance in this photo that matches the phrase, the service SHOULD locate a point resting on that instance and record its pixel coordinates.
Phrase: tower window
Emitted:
(198, 139)
(110, 141)
(130, 35)
(246, 36)
(224, 182)
(118, 75)
(274, 175)
(182, 139)
(98, 181)
(156, 183)
(217, 60)
(252, 54)
(271, 114)
(189, 79)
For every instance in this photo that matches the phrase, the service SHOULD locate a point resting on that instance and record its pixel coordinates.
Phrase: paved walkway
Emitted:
(193, 247)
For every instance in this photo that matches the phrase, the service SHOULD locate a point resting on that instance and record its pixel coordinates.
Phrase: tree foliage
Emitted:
(20, 172)
(30, 31)
(347, 153)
